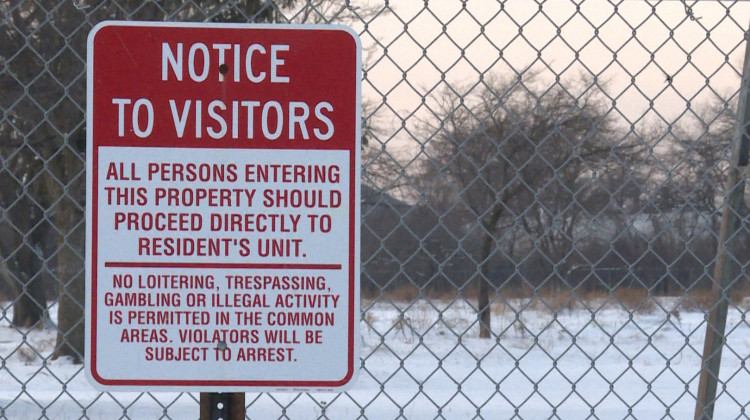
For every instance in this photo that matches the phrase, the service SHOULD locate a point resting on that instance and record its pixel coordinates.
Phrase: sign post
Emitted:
(226, 406)
(222, 207)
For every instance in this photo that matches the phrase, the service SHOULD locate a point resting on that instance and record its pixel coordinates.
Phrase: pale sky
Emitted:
(703, 55)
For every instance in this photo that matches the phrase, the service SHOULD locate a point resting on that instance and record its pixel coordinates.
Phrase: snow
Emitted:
(424, 359)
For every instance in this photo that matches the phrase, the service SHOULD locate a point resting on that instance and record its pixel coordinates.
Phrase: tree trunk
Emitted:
(71, 315)
(23, 275)
(483, 299)
(29, 304)
(71, 333)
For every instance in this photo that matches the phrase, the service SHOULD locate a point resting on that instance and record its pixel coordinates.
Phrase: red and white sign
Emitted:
(222, 207)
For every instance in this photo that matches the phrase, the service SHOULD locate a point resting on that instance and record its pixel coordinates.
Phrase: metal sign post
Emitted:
(726, 268)
(222, 406)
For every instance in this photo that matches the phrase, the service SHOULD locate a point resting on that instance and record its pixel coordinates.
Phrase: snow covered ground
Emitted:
(599, 362)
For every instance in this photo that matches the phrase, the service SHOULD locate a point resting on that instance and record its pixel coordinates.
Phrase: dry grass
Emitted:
(557, 299)
(370, 318)
(697, 300)
(634, 299)
(401, 293)
(740, 294)
(27, 354)
(703, 298)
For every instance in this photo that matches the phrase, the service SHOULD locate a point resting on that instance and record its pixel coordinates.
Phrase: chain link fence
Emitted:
(542, 191)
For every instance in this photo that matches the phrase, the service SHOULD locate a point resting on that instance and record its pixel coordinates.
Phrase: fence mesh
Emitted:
(542, 192)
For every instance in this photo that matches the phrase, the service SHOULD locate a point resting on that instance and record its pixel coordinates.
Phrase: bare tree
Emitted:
(687, 188)
(26, 190)
(509, 151)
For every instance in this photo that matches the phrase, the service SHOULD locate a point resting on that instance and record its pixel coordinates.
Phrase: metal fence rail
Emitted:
(543, 189)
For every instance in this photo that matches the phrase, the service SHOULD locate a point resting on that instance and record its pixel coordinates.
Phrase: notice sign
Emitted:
(222, 207)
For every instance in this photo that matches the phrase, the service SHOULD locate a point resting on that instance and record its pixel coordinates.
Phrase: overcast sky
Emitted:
(633, 45)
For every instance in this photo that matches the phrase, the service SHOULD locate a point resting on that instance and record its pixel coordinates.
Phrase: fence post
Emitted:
(222, 406)
(726, 267)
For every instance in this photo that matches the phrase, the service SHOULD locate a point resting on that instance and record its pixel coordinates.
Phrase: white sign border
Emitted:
(354, 317)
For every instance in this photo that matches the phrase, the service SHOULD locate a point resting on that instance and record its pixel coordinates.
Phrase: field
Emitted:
(423, 360)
